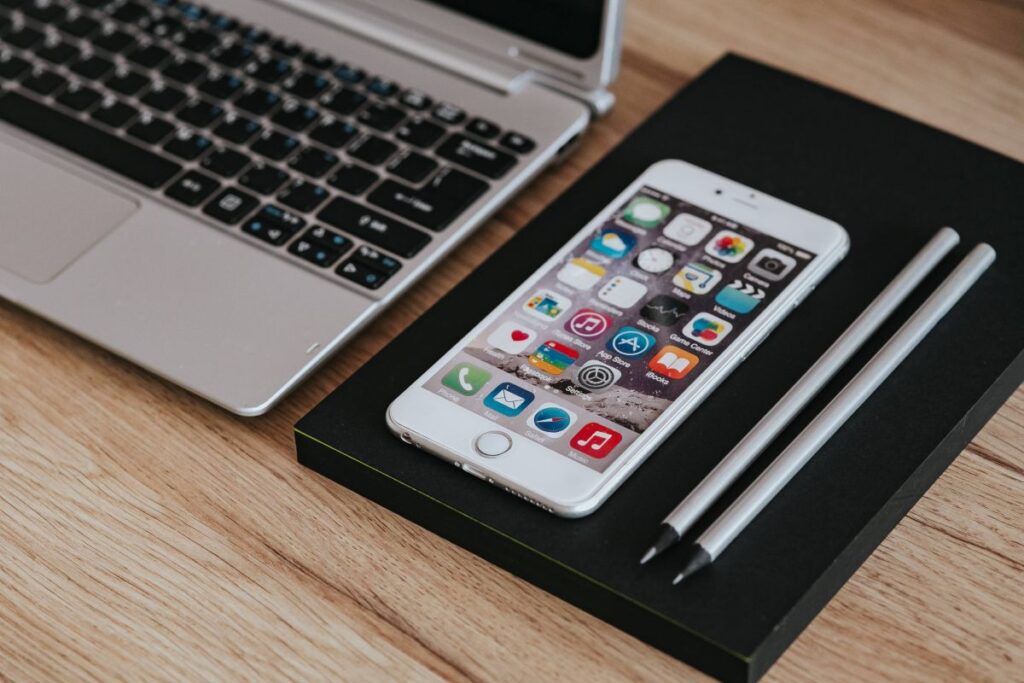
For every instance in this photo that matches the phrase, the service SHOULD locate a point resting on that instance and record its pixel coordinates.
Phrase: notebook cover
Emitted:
(892, 183)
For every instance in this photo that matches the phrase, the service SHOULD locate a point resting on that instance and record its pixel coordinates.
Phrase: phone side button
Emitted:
(492, 444)
(466, 467)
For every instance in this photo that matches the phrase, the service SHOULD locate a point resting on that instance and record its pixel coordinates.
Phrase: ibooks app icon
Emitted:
(673, 362)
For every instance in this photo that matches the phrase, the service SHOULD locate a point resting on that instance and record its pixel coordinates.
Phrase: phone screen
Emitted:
(609, 337)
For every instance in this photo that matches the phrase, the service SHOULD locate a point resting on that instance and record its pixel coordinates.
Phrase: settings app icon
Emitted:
(595, 375)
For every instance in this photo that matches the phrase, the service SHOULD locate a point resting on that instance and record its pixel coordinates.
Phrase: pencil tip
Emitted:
(698, 559)
(651, 552)
(668, 538)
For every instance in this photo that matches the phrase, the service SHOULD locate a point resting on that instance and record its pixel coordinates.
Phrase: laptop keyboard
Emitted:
(323, 160)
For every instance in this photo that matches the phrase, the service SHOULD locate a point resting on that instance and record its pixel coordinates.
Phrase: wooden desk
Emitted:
(145, 533)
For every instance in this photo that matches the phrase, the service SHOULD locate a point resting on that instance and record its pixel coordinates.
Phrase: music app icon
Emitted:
(595, 440)
(588, 323)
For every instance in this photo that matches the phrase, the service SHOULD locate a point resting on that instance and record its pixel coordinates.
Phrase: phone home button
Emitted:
(492, 444)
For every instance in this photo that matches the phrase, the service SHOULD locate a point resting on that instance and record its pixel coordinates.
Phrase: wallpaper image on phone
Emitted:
(608, 338)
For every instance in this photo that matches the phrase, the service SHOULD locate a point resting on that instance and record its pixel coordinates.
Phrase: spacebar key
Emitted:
(94, 144)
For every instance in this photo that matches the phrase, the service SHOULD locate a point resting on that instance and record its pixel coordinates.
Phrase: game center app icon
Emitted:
(729, 246)
(664, 310)
(673, 362)
(511, 338)
(552, 357)
(630, 342)
(645, 212)
(622, 292)
(696, 278)
(579, 273)
(508, 399)
(739, 296)
(547, 305)
(596, 376)
(466, 378)
(588, 323)
(595, 440)
(552, 419)
(707, 329)
(687, 229)
(772, 265)
(613, 242)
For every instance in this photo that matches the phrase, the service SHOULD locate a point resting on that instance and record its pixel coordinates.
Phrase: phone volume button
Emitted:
(466, 467)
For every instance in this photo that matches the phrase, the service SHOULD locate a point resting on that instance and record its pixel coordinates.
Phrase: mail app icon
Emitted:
(508, 399)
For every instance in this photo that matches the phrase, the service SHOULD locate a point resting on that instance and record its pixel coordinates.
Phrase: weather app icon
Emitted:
(613, 242)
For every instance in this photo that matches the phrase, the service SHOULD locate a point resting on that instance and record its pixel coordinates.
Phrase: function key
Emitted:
(288, 48)
(314, 162)
(268, 69)
(258, 101)
(374, 227)
(362, 274)
(334, 240)
(376, 260)
(263, 178)
(483, 128)
(303, 196)
(353, 179)
(192, 11)
(232, 55)
(187, 145)
(237, 129)
(274, 145)
(223, 23)
(226, 163)
(449, 113)
(349, 74)
(382, 87)
(520, 144)
(476, 156)
(231, 206)
(163, 97)
(316, 253)
(251, 34)
(306, 85)
(333, 133)
(192, 188)
(273, 225)
(381, 116)
(412, 166)
(416, 99)
(372, 149)
(317, 60)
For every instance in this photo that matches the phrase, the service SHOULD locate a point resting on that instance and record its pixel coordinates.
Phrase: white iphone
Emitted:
(572, 381)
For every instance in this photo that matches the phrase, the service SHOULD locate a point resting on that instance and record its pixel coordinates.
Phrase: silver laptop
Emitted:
(225, 193)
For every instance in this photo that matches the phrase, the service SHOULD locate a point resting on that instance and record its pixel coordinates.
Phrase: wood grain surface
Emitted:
(145, 534)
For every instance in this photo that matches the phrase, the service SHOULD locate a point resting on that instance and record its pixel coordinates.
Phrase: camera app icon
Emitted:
(772, 265)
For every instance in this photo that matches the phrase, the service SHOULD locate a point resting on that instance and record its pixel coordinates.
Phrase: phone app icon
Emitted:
(596, 376)
(772, 265)
(552, 357)
(654, 260)
(687, 229)
(622, 292)
(729, 246)
(696, 278)
(673, 362)
(588, 323)
(595, 440)
(580, 273)
(630, 342)
(508, 399)
(552, 419)
(465, 378)
(613, 242)
(739, 296)
(547, 305)
(511, 338)
(664, 310)
(645, 212)
(707, 329)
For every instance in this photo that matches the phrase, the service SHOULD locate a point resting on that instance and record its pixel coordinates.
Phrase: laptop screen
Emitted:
(569, 26)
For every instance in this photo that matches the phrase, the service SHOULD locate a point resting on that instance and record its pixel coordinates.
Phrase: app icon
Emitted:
(740, 297)
(696, 278)
(508, 399)
(707, 329)
(595, 375)
(511, 338)
(687, 229)
(547, 305)
(613, 242)
(552, 419)
(664, 310)
(645, 212)
(729, 246)
(772, 265)
(630, 342)
(466, 379)
(552, 357)
(580, 273)
(654, 260)
(588, 323)
(673, 362)
(622, 292)
(595, 440)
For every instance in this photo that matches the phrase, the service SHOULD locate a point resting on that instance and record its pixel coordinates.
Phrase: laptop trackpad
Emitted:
(49, 217)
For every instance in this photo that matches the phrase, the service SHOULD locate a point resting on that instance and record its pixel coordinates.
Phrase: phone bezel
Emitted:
(556, 482)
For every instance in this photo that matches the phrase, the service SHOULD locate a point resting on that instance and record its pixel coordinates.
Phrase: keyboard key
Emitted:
(353, 179)
(458, 185)
(372, 149)
(114, 113)
(188, 145)
(233, 55)
(127, 82)
(263, 179)
(303, 196)
(333, 133)
(416, 99)
(295, 116)
(383, 117)
(449, 113)
(183, 70)
(79, 97)
(231, 206)
(374, 227)
(221, 22)
(268, 69)
(274, 145)
(221, 86)
(150, 129)
(317, 60)
(349, 74)
(192, 188)
(56, 51)
(44, 11)
(256, 36)
(419, 132)
(288, 48)
(195, 40)
(426, 207)
(93, 68)
(328, 238)
(374, 259)
(314, 161)
(166, 27)
(412, 166)
(226, 163)
(130, 12)
(476, 156)
(24, 37)
(149, 56)
(258, 101)
(79, 137)
(306, 85)
(314, 252)
(113, 39)
(520, 144)
(483, 128)
(12, 66)
(44, 81)
(163, 97)
(361, 274)
(274, 225)
(200, 113)
(237, 129)
(79, 26)
(192, 11)
(382, 87)
(344, 101)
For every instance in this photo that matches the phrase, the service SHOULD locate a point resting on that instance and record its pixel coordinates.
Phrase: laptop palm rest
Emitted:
(49, 217)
